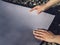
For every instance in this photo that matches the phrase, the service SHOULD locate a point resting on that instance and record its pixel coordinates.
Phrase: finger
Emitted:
(39, 35)
(39, 38)
(34, 31)
(33, 9)
(38, 32)
(39, 12)
(43, 31)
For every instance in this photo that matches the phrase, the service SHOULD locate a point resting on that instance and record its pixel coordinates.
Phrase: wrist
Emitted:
(45, 7)
(51, 3)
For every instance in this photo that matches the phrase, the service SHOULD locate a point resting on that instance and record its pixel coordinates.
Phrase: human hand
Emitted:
(39, 8)
(44, 35)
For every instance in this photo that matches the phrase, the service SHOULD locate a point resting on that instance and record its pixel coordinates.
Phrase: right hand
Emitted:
(44, 35)
(39, 8)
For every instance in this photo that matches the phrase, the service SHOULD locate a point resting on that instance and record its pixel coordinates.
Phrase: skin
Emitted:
(43, 7)
(45, 35)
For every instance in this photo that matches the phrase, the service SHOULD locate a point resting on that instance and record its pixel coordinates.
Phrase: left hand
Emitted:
(39, 8)
(44, 35)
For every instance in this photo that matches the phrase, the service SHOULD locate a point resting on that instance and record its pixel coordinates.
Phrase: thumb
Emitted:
(33, 9)
(40, 11)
